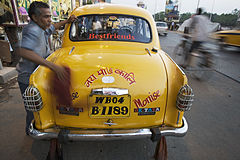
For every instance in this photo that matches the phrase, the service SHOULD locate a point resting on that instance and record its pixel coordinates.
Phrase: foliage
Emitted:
(159, 16)
(184, 17)
(229, 19)
(225, 19)
(88, 2)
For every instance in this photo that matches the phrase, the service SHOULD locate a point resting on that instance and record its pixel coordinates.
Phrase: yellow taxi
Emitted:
(229, 37)
(123, 85)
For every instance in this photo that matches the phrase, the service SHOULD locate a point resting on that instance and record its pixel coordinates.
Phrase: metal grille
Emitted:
(32, 99)
(185, 98)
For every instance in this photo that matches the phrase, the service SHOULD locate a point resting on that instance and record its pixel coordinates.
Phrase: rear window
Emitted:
(110, 28)
(161, 24)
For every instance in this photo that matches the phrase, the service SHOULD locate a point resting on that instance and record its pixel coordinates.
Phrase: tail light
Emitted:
(32, 99)
(185, 98)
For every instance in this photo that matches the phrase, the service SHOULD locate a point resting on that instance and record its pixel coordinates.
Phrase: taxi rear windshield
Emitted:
(110, 28)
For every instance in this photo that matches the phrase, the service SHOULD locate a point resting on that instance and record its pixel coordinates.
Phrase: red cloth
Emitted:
(161, 149)
(61, 89)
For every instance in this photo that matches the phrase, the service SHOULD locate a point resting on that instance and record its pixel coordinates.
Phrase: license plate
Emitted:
(102, 106)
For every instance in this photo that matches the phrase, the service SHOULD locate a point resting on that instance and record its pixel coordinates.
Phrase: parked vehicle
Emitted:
(162, 28)
(122, 84)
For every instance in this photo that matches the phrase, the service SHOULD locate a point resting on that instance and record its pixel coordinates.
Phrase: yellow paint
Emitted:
(230, 37)
(152, 76)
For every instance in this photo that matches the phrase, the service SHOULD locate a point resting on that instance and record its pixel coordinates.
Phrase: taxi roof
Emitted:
(106, 8)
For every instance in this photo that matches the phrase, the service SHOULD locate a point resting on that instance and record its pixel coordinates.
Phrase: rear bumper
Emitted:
(93, 135)
(162, 31)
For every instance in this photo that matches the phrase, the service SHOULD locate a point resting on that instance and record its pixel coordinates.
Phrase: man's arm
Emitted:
(69, 20)
(32, 56)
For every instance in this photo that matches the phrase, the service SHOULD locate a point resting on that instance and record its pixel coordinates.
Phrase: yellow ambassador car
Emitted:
(122, 84)
(229, 37)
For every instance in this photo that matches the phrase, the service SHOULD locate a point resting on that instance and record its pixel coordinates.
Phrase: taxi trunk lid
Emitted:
(114, 89)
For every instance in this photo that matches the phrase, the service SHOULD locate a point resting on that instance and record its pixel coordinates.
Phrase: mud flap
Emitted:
(63, 136)
(156, 134)
(161, 149)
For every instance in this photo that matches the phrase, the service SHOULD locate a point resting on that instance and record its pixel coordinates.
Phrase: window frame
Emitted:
(127, 15)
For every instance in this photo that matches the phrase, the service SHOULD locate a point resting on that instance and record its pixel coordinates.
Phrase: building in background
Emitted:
(171, 11)
(94, 1)
(141, 4)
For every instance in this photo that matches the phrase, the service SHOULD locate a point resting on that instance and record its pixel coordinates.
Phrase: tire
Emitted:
(179, 55)
(165, 34)
(202, 66)
(222, 45)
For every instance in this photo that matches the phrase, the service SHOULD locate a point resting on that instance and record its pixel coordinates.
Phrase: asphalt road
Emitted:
(214, 122)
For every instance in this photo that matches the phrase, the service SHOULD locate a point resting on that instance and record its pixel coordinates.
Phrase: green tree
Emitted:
(87, 2)
(159, 16)
(184, 17)
(228, 20)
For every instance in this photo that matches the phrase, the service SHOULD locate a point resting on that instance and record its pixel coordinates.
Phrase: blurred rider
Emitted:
(199, 31)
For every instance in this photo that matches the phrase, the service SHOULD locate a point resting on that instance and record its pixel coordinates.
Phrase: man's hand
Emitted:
(60, 72)
(71, 19)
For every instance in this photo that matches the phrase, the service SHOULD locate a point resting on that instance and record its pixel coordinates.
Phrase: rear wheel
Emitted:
(179, 55)
(222, 45)
(200, 65)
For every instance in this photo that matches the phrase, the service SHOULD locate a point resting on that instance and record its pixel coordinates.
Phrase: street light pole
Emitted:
(155, 11)
(212, 10)
(198, 3)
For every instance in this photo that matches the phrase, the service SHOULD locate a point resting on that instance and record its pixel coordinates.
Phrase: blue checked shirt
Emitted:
(35, 39)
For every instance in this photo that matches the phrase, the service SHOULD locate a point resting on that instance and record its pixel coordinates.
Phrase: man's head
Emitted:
(199, 11)
(39, 12)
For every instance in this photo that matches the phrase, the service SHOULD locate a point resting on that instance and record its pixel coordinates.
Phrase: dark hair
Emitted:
(34, 8)
(199, 11)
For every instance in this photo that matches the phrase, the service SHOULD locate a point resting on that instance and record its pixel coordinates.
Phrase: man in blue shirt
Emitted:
(34, 47)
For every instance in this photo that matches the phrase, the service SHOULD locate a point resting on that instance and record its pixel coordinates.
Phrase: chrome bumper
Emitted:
(93, 135)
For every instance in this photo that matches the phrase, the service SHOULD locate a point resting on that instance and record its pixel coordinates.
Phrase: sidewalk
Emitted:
(14, 144)
(7, 73)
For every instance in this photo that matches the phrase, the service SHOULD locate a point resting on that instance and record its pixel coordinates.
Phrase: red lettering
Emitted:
(91, 36)
(110, 36)
(138, 103)
(156, 94)
(150, 98)
(145, 102)
(153, 97)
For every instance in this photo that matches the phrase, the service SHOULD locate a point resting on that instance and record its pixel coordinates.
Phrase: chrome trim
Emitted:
(93, 135)
(110, 122)
(71, 50)
(148, 51)
(109, 91)
(185, 98)
(178, 117)
(32, 99)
